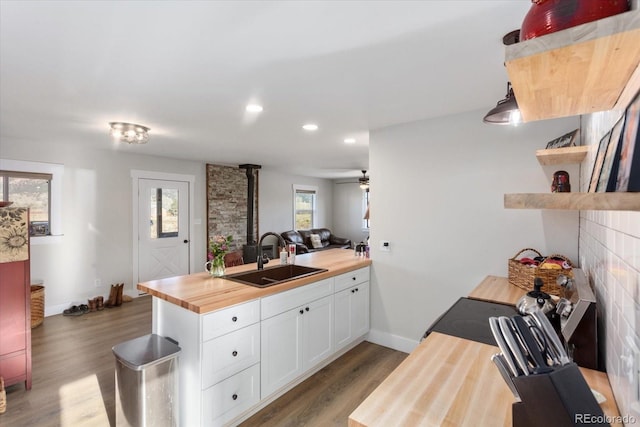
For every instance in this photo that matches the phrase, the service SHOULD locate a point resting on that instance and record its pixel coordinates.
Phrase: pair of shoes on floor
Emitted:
(115, 296)
(76, 310)
(96, 304)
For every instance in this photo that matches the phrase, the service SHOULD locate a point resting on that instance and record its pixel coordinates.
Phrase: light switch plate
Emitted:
(385, 246)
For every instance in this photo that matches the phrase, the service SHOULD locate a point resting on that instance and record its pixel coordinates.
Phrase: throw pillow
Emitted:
(315, 241)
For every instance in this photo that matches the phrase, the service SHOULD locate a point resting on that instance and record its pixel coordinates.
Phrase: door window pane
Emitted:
(163, 209)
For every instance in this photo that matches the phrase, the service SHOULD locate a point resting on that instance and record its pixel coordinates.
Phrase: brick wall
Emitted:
(227, 203)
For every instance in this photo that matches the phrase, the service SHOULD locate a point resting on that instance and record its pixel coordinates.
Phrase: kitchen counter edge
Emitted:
(201, 293)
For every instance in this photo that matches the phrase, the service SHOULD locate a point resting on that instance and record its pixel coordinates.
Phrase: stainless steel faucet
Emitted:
(261, 261)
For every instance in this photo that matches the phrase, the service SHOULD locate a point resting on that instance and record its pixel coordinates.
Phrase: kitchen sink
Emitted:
(273, 275)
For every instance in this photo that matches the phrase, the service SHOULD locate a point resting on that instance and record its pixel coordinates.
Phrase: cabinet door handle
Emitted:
(356, 289)
(301, 311)
(307, 308)
(353, 278)
(234, 319)
(234, 354)
(234, 397)
(353, 291)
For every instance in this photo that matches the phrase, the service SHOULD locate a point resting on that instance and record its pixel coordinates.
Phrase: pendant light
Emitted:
(506, 112)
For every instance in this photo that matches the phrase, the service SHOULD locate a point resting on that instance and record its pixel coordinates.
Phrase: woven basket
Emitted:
(3, 397)
(37, 305)
(522, 276)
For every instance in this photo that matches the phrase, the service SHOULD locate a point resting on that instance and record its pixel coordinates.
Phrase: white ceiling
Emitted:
(187, 69)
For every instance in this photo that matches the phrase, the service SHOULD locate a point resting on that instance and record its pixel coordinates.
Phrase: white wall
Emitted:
(610, 256)
(347, 211)
(275, 198)
(439, 187)
(97, 218)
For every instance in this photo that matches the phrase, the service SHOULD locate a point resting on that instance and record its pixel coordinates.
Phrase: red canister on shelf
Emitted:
(549, 16)
(560, 182)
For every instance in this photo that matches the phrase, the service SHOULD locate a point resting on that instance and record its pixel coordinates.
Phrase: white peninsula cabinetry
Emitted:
(296, 333)
(351, 307)
(237, 359)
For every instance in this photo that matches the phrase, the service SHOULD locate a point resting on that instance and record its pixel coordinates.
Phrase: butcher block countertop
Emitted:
(451, 381)
(201, 293)
(497, 289)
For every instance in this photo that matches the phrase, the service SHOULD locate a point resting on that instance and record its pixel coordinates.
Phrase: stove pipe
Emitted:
(251, 179)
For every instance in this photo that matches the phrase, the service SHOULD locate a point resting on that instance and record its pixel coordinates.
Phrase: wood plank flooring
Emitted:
(330, 395)
(73, 376)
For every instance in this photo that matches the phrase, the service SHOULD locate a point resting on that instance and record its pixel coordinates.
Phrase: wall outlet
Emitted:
(385, 246)
(97, 283)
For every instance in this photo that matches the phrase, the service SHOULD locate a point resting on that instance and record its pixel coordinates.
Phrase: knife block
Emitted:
(560, 398)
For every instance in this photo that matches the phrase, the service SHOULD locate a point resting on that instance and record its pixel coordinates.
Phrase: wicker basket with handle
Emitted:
(522, 275)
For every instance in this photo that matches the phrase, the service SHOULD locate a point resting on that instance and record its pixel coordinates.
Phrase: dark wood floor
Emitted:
(73, 376)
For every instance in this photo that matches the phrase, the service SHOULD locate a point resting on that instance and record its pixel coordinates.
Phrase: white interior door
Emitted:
(163, 229)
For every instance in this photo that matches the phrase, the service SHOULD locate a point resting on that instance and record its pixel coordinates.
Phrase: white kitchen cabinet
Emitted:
(209, 370)
(230, 353)
(295, 341)
(228, 398)
(351, 319)
(317, 332)
(234, 358)
(281, 350)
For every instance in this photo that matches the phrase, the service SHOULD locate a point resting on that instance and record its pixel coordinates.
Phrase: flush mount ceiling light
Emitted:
(350, 141)
(130, 133)
(364, 181)
(310, 127)
(254, 108)
(506, 112)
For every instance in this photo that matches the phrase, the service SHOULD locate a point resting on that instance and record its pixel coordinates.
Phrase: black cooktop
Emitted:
(469, 319)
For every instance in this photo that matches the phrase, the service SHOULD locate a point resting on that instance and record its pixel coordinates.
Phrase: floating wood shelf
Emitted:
(574, 201)
(581, 70)
(557, 156)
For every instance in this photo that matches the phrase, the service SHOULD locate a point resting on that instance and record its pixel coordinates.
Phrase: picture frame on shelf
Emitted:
(609, 168)
(628, 161)
(597, 165)
(566, 140)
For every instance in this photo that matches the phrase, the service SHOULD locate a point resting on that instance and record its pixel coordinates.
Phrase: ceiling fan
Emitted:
(364, 181)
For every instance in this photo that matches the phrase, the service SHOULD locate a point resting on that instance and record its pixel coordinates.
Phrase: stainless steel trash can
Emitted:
(147, 382)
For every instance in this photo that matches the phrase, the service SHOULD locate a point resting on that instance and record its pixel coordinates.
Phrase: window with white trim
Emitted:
(305, 200)
(38, 186)
(31, 190)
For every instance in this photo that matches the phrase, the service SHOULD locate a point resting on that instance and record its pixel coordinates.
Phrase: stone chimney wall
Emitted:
(227, 203)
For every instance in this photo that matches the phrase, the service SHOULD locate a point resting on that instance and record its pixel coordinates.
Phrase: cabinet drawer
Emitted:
(231, 397)
(230, 319)
(231, 353)
(13, 368)
(287, 300)
(351, 278)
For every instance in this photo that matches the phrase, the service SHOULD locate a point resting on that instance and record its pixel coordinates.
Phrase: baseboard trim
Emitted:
(395, 342)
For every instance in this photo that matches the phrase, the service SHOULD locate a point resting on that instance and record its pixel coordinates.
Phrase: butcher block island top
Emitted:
(201, 293)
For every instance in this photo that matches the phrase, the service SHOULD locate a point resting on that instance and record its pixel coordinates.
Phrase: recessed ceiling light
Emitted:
(350, 141)
(310, 126)
(254, 108)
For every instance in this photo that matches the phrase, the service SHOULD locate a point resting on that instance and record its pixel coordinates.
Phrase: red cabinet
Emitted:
(15, 297)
